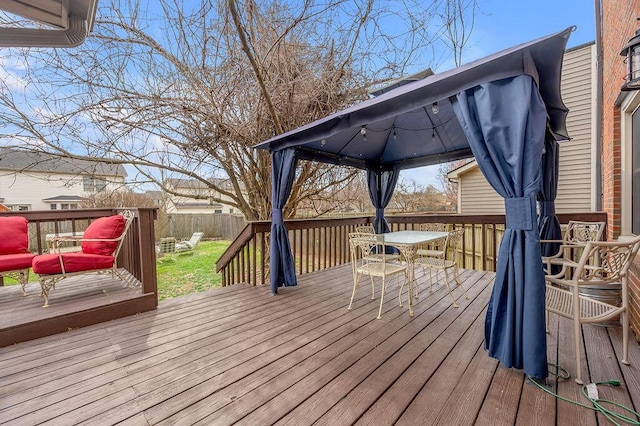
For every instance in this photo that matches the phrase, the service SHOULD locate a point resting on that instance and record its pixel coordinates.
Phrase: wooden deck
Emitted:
(239, 355)
(75, 302)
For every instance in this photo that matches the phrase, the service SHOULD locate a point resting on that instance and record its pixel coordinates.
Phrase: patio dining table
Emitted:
(408, 243)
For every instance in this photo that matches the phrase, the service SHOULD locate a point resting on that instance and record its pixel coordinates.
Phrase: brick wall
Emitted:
(618, 26)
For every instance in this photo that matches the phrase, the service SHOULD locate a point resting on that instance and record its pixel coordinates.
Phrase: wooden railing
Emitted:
(322, 243)
(138, 251)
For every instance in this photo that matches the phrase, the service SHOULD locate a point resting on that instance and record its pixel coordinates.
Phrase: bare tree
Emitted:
(123, 198)
(458, 20)
(186, 89)
(450, 188)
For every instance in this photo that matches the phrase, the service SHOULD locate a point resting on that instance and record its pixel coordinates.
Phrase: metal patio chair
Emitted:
(363, 249)
(575, 238)
(564, 298)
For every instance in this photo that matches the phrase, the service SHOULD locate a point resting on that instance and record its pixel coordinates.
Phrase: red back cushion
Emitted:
(103, 228)
(14, 235)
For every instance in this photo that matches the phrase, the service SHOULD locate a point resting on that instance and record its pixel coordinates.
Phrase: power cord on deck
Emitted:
(597, 402)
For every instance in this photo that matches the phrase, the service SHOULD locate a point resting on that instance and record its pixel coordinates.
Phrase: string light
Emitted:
(433, 134)
(394, 133)
(435, 108)
(363, 132)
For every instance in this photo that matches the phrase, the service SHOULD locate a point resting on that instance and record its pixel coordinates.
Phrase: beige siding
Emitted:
(575, 183)
(575, 193)
(477, 196)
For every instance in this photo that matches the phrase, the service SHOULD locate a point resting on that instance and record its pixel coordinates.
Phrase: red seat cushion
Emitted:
(49, 264)
(103, 228)
(14, 262)
(14, 235)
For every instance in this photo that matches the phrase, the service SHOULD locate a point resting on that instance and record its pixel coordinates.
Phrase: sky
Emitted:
(501, 24)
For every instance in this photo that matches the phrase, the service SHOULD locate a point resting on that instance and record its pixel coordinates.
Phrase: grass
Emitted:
(188, 273)
(182, 274)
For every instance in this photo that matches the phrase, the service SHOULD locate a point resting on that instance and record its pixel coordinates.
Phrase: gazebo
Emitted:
(505, 110)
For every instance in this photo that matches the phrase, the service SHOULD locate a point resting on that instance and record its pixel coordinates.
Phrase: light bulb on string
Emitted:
(394, 133)
(435, 108)
(363, 132)
(433, 134)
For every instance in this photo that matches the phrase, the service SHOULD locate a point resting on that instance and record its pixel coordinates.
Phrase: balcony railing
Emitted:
(322, 243)
(138, 250)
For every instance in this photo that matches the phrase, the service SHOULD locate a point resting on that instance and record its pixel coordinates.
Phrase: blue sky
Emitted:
(504, 23)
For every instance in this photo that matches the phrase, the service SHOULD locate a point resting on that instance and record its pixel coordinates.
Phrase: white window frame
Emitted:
(628, 106)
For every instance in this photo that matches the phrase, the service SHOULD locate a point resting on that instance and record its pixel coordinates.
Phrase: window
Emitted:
(230, 210)
(23, 208)
(73, 206)
(217, 211)
(53, 206)
(64, 206)
(91, 184)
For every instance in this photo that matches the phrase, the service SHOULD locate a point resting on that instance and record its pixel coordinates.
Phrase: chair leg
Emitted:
(456, 276)
(625, 337)
(356, 281)
(46, 284)
(24, 279)
(431, 279)
(373, 288)
(381, 299)
(577, 338)
(446, 281)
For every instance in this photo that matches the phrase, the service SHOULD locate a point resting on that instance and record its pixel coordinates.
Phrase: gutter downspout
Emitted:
(599, 90)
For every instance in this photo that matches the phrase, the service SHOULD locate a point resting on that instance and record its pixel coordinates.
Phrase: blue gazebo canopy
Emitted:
(401, 128)
(500, 109)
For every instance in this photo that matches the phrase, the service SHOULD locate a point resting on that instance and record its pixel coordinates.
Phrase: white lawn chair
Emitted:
(188, 246)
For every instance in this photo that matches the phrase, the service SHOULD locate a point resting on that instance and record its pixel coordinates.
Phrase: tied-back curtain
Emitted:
(283, 168)
(548, 223)
(505, 123)
(382, 183)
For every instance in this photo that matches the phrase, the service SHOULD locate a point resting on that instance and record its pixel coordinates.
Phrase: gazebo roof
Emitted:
(414, 124)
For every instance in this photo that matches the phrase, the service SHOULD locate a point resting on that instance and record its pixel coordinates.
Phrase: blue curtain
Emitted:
(283, 167)
(505, 123)
(382, 183)
(548, 223)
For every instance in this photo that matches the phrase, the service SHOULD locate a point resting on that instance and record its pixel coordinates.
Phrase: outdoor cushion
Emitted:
(14, 262)
(48, 264)
(14, 235)
(103, 228)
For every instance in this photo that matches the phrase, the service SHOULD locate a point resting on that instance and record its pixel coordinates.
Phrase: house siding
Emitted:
(575, 182)
(30, 188)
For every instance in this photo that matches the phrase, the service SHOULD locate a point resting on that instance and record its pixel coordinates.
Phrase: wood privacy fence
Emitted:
(322, 243)
(182, 226)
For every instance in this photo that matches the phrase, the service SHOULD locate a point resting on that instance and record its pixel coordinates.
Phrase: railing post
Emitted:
(146, 242)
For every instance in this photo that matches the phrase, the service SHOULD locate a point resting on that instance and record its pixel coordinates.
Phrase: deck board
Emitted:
(238, 355)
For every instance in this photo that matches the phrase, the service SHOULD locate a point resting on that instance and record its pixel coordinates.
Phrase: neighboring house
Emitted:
(36, 181)
(201, 200)
(577, 178)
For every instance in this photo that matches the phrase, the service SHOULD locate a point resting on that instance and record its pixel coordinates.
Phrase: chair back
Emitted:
(582, 232)
(615, 258)
(437, 227)
(105, 236)
(454, 241)
(195, 238)
(167, 245)
(365, 229)
(15, 235)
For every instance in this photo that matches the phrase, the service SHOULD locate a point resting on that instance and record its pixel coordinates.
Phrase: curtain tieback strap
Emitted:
(276, 216)
(547, 208)
(520, 212)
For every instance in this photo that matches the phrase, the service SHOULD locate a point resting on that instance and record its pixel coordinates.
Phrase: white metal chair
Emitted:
(439, 261)
(563, 295)
(374, 256)
(364, 249)
(575, 238)
(435, 248)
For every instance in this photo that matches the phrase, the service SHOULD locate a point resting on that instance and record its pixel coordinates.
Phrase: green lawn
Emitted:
(182, 274)
(188, 273)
